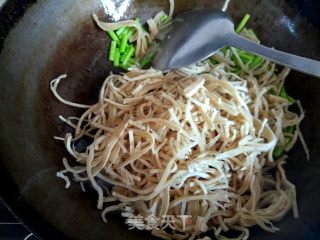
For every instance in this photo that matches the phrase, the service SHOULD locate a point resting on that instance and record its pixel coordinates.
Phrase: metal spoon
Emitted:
(196, 35)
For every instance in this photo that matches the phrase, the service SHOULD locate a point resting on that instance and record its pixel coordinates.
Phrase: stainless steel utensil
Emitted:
(196, 35)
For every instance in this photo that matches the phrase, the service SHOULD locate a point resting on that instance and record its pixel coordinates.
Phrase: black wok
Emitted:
(41, 39)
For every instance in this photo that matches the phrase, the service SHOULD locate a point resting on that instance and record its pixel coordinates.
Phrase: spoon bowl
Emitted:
(192, 37)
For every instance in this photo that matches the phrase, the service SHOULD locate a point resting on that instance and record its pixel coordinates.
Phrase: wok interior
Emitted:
(60, 37)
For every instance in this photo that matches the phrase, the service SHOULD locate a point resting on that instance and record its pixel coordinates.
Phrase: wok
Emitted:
(42, 39)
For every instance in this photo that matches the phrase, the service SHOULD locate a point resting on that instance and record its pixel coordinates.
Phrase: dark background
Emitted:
(10, 227)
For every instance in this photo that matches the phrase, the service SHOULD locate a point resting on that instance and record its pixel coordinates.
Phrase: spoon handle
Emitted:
(301, 64)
